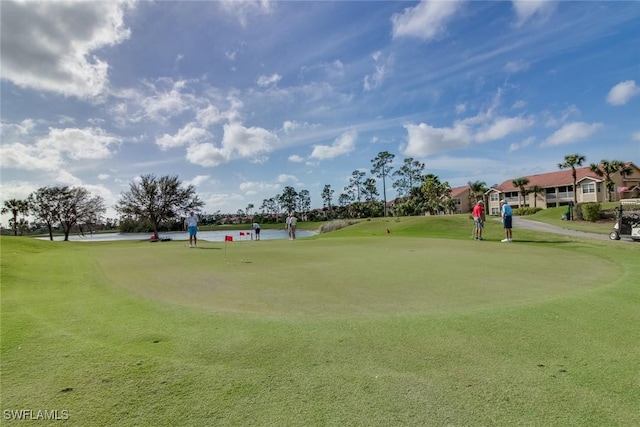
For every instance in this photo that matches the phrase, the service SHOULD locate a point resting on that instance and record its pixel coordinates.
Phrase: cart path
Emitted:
(519, 222)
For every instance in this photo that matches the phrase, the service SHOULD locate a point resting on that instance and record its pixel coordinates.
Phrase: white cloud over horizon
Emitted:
(570, 133)
(621, 93)
(342, 145)
(426, 21)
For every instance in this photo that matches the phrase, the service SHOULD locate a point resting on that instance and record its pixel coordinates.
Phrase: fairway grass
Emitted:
(350, 276)
(358, 327)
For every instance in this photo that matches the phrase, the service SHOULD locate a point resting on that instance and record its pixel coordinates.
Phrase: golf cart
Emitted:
(627, 222)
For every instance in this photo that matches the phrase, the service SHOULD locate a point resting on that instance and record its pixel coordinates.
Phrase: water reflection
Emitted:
(210, 236)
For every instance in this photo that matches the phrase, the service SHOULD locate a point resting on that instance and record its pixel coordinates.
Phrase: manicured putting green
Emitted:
(351, 276)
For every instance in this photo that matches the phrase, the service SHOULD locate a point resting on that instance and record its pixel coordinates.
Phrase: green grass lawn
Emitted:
(418, 326)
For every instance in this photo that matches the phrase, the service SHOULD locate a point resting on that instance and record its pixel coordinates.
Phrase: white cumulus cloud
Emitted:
(424, 139)
(621, 93)
(570, 133)
(254, 187)
(207, 154)
(264, 81)
(238, 142)
(527, 10)
(87, 143)
(344, 144)
(29, 157)
(426, 21)
(502, 127)
(189, 134)
(52, 46)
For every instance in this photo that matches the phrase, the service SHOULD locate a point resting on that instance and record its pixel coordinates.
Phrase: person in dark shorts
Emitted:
(507, 221)
(256, 229)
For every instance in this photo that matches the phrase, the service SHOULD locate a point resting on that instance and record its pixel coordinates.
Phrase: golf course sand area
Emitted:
(351, 276)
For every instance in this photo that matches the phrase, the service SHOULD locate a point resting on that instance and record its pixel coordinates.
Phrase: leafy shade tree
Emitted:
(571, 161)
(76, 206)
(381, 169)
(289, 199)
(477, 190)
(607, 168)
(408, 176)
(66, 206)
(43, 205)
(535, 190)
(15, 207)
(413, 204)
(521, 183)
(435, 194)
(158, 199)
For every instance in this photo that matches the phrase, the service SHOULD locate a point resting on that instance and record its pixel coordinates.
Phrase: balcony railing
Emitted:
(568, 195)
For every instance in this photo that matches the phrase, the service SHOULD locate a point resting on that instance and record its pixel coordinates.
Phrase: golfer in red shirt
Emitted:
(478, 220)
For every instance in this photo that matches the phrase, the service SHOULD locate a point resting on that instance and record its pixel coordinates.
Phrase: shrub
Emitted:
(590, 211)
(336, 225)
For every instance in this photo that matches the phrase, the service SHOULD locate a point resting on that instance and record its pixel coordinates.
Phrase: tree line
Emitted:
(417, 194)
(158, 203)
(60, 207)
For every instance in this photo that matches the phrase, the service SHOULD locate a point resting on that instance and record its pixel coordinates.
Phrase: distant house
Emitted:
(461, 196)
(557, 189)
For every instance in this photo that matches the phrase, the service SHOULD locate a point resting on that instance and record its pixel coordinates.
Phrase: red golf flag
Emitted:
(228, 238)
(242, 233)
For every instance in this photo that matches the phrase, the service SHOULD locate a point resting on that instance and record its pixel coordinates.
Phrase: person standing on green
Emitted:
(293, 222)
(191, 225)
(478, 220)
(507, 221)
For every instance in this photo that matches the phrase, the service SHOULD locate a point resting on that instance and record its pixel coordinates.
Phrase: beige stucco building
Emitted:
(462, 198)
(557, 189)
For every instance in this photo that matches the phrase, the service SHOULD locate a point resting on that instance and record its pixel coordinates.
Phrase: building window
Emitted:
(494, 197)
(588, 188)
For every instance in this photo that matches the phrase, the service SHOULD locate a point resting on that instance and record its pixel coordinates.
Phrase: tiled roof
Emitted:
(457, 191)
(551, 179)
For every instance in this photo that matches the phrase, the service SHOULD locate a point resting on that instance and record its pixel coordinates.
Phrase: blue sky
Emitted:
(242, 99)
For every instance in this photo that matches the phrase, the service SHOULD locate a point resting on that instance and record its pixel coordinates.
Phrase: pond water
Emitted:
(211, 236)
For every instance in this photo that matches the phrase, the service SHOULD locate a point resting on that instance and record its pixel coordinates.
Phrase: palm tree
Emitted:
(477, 188)
(535, 190)
(520, 183)
(16, 207)
(607, 168)
(571, 161)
